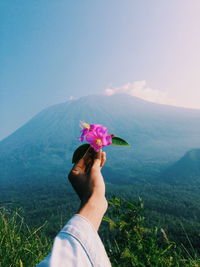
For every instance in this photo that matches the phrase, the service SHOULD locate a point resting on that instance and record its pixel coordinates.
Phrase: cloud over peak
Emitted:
(141, 90)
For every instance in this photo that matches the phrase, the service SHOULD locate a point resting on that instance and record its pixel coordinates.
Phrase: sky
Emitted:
(55, 50)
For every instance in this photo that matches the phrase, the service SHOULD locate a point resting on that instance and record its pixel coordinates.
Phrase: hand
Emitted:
(86, 177)
(87, 181)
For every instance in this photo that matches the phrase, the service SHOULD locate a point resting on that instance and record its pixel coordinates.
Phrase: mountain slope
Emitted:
(43, 147)
(184, 171)
(35, 160)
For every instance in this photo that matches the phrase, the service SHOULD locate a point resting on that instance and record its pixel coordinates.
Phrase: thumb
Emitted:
(97, 159)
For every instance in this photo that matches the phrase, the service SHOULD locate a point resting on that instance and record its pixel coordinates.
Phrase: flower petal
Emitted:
(91, 138)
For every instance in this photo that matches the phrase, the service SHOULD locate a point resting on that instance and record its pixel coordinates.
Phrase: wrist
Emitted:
(99, 203)
(94, 210)
(95, 202)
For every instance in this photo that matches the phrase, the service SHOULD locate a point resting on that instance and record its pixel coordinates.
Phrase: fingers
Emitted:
(79, 167)
(103, 159)
(90, 159)
(99, 159)
(83, 163)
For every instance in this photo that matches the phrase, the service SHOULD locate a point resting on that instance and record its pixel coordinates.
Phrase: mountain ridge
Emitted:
(186, 170)
(158, 134)
(139, 100)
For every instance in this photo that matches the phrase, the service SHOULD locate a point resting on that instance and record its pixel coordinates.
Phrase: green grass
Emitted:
(130, 243)
(127, 241)
(20, 245)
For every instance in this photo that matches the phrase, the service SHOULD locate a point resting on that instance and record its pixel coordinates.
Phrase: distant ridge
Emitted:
(43, 147)
(185, 170)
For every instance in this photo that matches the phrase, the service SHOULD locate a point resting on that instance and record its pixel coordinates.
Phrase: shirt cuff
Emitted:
(84, 232)
(84, 218)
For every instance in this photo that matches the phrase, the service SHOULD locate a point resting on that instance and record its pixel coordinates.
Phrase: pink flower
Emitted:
(85, 130)
(96, 135)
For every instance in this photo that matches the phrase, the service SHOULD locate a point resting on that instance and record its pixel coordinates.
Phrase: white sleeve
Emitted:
(77, 244)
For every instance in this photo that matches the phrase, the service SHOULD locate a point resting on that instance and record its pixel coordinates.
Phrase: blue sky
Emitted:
(52, 50)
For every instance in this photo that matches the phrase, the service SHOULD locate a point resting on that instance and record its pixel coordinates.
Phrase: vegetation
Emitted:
(127, 240)
(35, 160)
(130, 243)
(173, 208)
(20, 245)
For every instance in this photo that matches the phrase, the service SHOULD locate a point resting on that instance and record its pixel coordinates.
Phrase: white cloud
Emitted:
(72, 97)
(141, 90)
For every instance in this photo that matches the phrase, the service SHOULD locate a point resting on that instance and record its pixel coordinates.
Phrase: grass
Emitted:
(127, 241)
(20, 245)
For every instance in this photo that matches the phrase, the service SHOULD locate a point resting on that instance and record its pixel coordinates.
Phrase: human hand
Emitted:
(86, 177)
(88, 182)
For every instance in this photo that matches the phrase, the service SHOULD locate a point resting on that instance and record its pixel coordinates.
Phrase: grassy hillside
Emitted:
(20, 245)
(127, 240)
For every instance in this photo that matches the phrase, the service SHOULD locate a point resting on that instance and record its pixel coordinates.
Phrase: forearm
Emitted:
(94, 210)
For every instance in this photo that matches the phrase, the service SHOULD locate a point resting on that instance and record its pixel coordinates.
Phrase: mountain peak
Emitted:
(157, 134)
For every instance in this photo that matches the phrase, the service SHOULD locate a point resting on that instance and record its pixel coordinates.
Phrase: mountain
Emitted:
(185, 171)
(35, 160)
(41, 149)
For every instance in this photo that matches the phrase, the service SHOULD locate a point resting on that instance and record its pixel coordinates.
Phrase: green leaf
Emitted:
(119, 141)
(80, 152)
